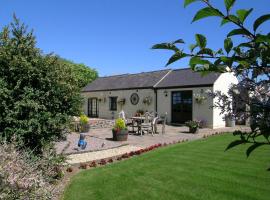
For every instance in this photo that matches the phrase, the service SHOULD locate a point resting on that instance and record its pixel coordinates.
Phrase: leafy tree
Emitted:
(38, 93)
(249, 59)
(83, 73)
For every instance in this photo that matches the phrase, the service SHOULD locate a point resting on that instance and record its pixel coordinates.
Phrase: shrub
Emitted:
(102, 162)
(38, 94)
(84, 119)
(192, 124)
(22, 176)
(83, 166)
(93, 164)
(83, 73)
(119, 125)
(70, 169)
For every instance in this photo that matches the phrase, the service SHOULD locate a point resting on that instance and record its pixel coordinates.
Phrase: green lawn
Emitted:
(192, 170)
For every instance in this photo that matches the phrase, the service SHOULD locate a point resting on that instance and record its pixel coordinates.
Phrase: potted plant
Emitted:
(193, 126)
(84, 125)
(230, 120)
(139, 113)
(200, 99)
(120, 131)
(147, 100)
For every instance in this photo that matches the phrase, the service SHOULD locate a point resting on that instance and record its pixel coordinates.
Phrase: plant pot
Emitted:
(84, 128)
(121, 135)
(194, 130)
(230, 121)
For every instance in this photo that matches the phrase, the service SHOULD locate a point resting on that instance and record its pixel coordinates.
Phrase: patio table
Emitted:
(139, 121)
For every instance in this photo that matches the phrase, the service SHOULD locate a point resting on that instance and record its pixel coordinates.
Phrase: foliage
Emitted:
(248, 58)
(193, 124)
(84, 126)
(38, 94)
(147, 100)
(199, 98)
(83, 74)
(119, 124)
(140, 112)
(25, 176)
(84, 119)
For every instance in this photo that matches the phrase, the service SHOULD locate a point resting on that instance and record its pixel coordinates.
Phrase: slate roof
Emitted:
(126, 81)
(186, 77)
(155, 79)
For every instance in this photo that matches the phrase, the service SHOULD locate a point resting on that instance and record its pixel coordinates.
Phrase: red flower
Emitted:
(93, 164)
(125, 155)
(119, 158)
(102, 162)
(69, 169)
(83, 166)
(138, 152)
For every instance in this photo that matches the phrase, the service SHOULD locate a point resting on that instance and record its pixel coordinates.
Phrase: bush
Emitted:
(38, 93)
(192, 124)
(24, 176)
(84, 74)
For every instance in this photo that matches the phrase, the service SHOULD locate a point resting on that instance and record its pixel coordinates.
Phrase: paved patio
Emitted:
(101, 146)
(172, 133)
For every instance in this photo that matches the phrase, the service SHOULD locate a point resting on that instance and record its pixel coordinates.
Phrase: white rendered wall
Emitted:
(223, 83)
(130, 109)
(202, 111)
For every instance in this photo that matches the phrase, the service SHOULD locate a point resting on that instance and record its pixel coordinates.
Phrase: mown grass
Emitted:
(194, 170)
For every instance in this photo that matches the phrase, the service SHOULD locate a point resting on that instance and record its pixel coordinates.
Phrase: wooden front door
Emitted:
(181, 106)
(93, 107)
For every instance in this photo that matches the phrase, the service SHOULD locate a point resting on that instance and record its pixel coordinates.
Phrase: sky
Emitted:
(115, 36)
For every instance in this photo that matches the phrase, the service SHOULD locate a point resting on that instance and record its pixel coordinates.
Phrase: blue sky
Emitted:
(115, 36)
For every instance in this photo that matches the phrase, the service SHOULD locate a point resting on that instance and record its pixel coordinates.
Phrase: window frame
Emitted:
(113, 103)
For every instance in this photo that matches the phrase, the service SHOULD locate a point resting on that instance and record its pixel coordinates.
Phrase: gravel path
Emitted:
(97, 155)
(70, 145)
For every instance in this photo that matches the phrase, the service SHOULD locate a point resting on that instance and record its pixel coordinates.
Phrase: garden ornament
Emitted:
(82, 143)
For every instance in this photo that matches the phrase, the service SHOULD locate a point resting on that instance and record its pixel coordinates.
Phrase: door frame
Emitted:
(172, 92)
(90, 114)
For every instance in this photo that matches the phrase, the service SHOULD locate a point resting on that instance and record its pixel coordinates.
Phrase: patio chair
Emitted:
(154, 113)
(154, 124)
(147, 124)
(163, 120)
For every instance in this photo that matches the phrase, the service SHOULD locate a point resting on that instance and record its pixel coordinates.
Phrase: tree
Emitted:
(38, 93)
(83, 73)
(248, 59)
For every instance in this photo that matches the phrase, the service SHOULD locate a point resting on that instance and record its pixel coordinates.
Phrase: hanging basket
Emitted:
(147, 100)
(199, 99)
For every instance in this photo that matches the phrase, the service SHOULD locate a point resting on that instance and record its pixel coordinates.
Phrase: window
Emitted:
(113, 103)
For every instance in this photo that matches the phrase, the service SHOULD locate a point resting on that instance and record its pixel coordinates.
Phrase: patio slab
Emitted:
(70, 145)
(101, 146)
(172, 133)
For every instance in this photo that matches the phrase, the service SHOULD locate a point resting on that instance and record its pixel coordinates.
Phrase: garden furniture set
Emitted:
(146, 123)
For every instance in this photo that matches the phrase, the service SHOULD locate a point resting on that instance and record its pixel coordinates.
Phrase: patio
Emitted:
(100, 144)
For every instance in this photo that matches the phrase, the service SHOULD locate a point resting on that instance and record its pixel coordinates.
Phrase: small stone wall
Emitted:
(96, 123)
